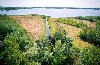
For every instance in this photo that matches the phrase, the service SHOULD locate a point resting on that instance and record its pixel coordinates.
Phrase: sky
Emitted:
(51, 3)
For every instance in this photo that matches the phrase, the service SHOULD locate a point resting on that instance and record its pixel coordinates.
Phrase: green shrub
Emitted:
(15, 39)
(50, 55)
(89, 18)
(45, 54)
(9, 26)
(75, 55)
(71, 22)
(10, 53)
(92, 34)
(89, 56)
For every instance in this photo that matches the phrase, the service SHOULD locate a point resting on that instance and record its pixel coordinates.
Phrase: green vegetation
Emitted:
(92, 34)
(14, 39)
(46, 54)
(7, 8)
(11, 28)
(89, 56)
(89, 18)
(10, 54)
(71, 22)
(13, 8)
(17, 48)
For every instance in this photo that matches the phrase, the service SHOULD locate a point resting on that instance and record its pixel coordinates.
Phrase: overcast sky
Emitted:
(51, 3)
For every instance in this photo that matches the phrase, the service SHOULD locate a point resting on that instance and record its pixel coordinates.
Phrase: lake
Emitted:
(54, 13)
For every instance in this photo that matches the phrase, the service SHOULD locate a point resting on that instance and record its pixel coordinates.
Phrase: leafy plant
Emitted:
(46, 54)
(10, 27)
(71, 22)
(11, 54)
(14, 39)
(92, 34)
(89, 18)
(90, 56)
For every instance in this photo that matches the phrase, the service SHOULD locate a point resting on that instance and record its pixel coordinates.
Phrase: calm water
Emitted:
(47, 28)
(54, 12)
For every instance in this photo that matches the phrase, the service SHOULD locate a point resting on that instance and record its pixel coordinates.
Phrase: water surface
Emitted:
(47, 28)
(56, 13)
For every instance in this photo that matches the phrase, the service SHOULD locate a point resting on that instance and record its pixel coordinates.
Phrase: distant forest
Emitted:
(15, 8)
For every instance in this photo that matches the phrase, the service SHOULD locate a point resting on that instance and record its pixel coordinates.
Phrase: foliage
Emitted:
(9, 26)
(8, 8)
(71, 22)
(92, 34)
(11, 54)
(89, 18)
(17, 47)
(75, 55)
(60, 34)
(44, 53)
(14, 39)
(89, 56)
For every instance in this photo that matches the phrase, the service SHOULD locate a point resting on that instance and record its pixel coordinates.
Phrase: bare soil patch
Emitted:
(34, 25)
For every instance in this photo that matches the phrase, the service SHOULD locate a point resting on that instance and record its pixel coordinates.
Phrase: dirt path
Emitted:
(34, 25)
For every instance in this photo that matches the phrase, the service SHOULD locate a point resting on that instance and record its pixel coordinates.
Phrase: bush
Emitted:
(58, 55)
(89, 18)
(75, 55)
(71, 22)
(92, 34)
(15, 39)
(11, 54)
(89, 56)
(45, 54)
(11, 27)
